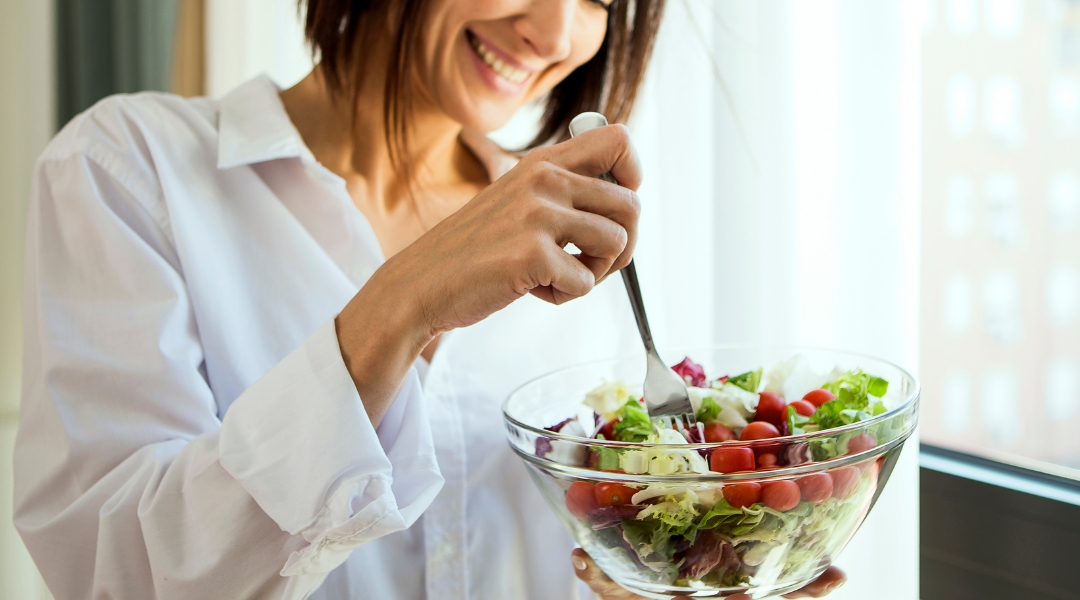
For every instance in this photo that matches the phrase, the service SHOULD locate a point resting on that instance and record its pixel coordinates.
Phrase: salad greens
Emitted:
(709, 410)
(746, 532)
(749, 381)
(633, 423)
(858, 398)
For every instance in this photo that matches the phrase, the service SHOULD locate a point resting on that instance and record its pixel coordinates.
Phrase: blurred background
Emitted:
(897, 177)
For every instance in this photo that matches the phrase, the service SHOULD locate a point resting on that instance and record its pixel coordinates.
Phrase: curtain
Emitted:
(780, 140)
(189, 49)
(111, 46)
(26, 124)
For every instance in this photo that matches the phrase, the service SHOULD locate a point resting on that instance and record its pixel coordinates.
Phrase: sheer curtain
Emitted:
(781, 149)
(781, 202)
(27, 118)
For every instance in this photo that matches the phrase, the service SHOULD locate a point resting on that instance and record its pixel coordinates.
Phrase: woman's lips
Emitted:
(492, 60)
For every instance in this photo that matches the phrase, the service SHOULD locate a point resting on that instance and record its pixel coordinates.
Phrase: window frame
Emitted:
(993, 530)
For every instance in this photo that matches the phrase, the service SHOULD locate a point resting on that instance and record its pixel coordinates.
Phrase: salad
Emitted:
(741, 534)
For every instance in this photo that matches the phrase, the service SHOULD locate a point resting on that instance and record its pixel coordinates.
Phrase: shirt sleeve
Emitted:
(127, 482)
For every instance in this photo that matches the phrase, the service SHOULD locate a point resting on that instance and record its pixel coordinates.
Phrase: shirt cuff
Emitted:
(300, 442)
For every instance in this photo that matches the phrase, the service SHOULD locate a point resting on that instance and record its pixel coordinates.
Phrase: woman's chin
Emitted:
(486, 117)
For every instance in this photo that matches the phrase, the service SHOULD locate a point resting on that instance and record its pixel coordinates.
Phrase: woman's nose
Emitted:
(547, 27)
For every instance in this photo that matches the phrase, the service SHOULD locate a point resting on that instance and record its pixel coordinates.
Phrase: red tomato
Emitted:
(716, 433)
(766, 460)
(815, 488)
(759, 430)
(803, 407)
(770, 408)
(581, 499)
(819, 397)
(730, 460)
(608, 430)
(742, 494)
(613, 494)
(780, 495)
(861, 443)
(845, 480)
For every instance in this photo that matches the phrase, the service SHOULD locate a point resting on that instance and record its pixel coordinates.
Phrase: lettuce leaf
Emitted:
(633, 424)
(709, 410)
(749, 381)
(731, 521)
(857, 399)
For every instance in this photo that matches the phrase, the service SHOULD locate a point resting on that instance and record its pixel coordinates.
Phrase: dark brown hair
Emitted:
(340, 32)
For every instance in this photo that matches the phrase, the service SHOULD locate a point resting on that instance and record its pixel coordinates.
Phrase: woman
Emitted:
(240, 376)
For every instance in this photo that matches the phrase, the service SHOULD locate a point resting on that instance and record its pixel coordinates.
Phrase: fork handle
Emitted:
(630, 280)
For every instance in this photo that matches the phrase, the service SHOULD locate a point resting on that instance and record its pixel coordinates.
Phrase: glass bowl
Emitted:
(761, 532)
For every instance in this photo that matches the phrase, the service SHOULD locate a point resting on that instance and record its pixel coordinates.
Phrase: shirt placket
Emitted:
(445, 541)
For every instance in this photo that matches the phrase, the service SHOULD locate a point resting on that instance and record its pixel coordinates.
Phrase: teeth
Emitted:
(504, 70)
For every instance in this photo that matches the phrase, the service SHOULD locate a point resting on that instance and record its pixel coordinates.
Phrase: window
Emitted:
(1000, 330)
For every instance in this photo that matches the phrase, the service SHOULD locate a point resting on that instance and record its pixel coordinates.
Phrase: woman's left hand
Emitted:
(607, 589)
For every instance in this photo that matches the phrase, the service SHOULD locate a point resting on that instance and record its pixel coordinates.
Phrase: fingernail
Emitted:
(579, 563)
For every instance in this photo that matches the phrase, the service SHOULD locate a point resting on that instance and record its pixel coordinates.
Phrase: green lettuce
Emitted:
(731, 521)
(633, 424)
(749, 381)
(709, 410)
(858, 398)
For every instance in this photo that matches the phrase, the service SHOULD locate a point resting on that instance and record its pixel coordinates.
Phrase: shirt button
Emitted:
(444, 550)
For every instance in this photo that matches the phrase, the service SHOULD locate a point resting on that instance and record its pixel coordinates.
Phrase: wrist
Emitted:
(381, 332)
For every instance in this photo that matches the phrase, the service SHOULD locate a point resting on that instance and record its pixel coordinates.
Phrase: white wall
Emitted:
(247, 37)
(26, 124)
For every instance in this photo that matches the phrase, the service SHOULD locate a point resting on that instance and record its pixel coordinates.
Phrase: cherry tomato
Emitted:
(581, 499)
(845, 480)
(819, 397)
(766, 460)
(742, 494)
(730, 460)
(613, 494)
(759, 430)
(770, 408)
(608, 430)
(780, 495)
(716, 433)
(816, 487)
(803, 407)
(861, 443)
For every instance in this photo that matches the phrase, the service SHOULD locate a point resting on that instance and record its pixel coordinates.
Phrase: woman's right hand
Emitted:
(506, 242)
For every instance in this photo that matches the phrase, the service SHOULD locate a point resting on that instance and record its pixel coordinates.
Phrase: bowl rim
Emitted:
(911, 399)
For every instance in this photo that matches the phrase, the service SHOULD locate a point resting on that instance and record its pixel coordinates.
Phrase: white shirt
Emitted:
(188, 428)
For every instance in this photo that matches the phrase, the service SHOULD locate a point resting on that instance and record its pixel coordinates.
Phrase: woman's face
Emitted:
(482, 60)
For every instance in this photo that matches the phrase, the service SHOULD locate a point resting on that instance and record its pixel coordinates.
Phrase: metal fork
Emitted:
(665, 390)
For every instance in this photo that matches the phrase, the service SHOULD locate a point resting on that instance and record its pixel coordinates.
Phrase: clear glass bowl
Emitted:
(756, 549)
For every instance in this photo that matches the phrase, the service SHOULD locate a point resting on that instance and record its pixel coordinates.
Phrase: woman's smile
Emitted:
(497, 68)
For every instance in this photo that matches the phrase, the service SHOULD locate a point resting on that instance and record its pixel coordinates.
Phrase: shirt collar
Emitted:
(253, 127)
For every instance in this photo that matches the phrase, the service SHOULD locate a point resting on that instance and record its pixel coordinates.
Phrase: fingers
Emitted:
(613, 202)
(599, 151)
(561, 277)
(825, 584)
(587, 571)
(600, 240)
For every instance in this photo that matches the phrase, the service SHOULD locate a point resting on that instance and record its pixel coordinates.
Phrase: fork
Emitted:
(665, 391)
